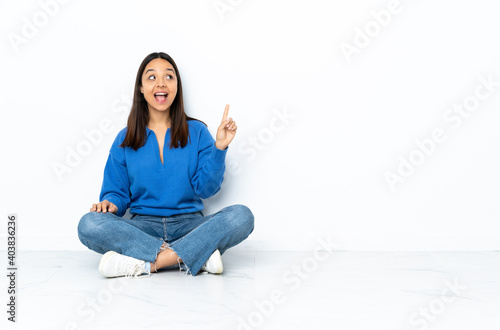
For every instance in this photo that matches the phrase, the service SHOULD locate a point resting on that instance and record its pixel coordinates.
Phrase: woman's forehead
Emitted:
(159, 64)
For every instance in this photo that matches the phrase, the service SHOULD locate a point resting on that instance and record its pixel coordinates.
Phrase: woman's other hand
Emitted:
(104, 206)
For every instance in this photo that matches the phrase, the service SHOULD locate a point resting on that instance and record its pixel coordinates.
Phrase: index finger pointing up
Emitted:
(226, 111)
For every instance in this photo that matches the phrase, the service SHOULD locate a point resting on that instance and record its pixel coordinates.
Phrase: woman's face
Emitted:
(159, 84)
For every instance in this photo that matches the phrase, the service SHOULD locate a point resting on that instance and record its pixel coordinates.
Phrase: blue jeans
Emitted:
(193, 236)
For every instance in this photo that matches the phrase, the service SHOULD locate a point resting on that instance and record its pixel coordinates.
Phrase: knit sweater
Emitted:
(137, 179)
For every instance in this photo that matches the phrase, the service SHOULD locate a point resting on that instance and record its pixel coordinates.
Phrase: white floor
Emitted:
(265, 290)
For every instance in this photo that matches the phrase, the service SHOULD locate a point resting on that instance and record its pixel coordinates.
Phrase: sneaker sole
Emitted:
(103, 261)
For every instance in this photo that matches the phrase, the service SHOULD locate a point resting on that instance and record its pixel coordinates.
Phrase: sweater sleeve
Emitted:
(211, 166)
(115, 184)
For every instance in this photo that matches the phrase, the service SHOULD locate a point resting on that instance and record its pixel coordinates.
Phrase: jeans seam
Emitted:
(165, 234)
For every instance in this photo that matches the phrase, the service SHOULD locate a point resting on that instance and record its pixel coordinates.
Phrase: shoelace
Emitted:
(140, 272)
(131, 268)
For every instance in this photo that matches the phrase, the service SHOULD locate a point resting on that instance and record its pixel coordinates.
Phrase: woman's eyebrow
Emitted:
(155, 70)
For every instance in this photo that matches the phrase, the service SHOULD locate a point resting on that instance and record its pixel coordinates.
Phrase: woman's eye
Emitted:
(170, 77)
(151, 77)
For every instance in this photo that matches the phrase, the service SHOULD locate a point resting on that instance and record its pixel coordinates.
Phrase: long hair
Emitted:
(139, 114)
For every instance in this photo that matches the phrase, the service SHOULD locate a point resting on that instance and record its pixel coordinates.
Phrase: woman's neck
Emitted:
(159, 120)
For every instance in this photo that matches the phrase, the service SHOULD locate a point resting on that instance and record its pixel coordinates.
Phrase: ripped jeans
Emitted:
(193, 236)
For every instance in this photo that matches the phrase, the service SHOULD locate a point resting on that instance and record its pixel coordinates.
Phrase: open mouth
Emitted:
(161, 97)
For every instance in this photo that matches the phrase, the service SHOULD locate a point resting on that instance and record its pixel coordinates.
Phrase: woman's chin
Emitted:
(162, 108)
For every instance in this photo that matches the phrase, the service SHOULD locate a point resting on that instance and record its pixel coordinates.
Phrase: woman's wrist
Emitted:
(220, 146)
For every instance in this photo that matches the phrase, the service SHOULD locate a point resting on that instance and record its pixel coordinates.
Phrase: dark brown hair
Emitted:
(139, 114)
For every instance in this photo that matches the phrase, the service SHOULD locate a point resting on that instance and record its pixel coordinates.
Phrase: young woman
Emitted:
(160, 166)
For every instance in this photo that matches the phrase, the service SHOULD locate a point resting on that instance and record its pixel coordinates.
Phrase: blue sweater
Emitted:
(139, 180)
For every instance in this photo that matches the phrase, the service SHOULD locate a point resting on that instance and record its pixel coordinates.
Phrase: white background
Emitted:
(349, 120)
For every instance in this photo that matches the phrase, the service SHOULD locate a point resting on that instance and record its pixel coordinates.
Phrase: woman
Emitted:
(160, 166)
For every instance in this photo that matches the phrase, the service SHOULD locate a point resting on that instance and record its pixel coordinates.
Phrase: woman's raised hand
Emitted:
(226, 131)
(104, 206)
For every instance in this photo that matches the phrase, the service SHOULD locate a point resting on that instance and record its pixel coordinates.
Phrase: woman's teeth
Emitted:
(161, 97)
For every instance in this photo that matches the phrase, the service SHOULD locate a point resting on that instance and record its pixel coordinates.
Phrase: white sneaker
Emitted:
(213, 264)
(113, 264)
